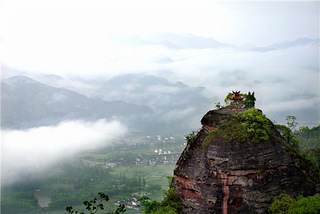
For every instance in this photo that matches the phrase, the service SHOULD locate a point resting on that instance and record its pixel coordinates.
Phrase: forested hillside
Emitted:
(310, 138)
(310, 142)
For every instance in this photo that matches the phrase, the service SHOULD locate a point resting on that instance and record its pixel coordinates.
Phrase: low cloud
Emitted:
(179, 114)
(275, 75)
(25, 152)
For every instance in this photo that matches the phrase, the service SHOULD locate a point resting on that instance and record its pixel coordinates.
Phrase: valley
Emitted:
(126, 171)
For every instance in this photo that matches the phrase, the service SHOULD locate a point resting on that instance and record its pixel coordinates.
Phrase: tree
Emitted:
(148, 205)
(93, 206)
(291, 122)
(287, 131)
(249, 100)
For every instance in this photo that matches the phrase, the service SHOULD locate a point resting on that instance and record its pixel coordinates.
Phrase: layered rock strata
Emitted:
(238, 177)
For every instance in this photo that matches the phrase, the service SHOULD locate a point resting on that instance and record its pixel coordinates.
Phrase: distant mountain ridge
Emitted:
(153, 91)
(174, 41)
(26, 102)
(289, 44)
(142, 102)
(190, 41)
(187, 41)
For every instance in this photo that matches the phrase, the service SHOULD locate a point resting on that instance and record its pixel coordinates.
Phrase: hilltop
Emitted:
(239, 163)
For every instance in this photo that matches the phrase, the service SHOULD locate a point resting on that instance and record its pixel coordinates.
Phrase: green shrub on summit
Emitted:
(250, 126)
(255, 124)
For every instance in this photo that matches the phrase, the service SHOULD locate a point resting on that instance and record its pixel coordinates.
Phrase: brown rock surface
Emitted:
(238, 177)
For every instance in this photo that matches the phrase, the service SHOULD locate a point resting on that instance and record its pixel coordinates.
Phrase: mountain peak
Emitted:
(223, 171)
(19, 79)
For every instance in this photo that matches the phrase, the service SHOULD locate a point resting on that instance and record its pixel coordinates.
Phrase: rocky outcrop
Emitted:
(239, 177)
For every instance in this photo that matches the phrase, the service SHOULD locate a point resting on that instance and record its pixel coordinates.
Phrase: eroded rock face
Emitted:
(238, 177)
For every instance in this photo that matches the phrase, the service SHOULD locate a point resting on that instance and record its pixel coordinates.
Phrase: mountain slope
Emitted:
(155, 92)
(26, 103)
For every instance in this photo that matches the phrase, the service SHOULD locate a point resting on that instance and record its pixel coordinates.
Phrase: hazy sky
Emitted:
(42, 35)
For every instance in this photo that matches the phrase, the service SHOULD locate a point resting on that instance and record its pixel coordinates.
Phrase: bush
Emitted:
(282, 204)
(250, 126)
(302, 205)
(190, 136)
(171, 203)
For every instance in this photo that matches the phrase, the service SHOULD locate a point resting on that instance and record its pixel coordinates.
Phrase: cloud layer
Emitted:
(25, 152)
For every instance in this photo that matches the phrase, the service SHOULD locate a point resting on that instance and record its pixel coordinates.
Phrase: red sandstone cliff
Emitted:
(238, 177)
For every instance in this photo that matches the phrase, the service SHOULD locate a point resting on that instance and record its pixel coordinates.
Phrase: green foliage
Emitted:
(249, 100)
(307, 157)
(291, 122)
(93, 206)
(282, 204)
(18, 202)
(218, 105)
(250, 126)
(314, 156)
(19, 197)
(171, 203)
(190, 136)
(255, 124)
(304, 141)
(148, 205)
(302, 205)
(309, 142)
(287, 134)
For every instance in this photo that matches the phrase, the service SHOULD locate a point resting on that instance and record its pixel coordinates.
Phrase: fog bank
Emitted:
(30, 151)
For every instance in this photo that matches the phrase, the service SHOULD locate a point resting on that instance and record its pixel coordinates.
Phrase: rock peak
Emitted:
(235, 176)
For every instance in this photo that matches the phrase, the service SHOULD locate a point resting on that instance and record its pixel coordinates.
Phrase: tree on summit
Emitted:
(249, 100)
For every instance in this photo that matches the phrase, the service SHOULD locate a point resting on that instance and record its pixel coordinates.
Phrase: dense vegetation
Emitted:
(300, 205)
(19, 198)
(309, 142)
(306, 142)
(75, 184)
(251, 126)
(170, 204)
